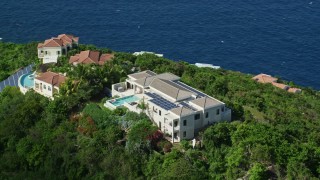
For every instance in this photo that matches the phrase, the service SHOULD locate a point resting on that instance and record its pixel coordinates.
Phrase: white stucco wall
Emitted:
(51, 55)
(47, 89)
(155, 115)
(189, 128)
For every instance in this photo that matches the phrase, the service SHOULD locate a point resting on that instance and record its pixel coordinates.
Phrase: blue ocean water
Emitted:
(276, 37)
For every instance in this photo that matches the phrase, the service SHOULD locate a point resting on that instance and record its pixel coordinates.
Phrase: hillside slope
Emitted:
(274, 134)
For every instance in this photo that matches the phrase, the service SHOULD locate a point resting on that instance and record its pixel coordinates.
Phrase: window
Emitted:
(222, 109)
(184, 122)
(175, 135)
(197, 116)
(37, 85)
(218, 111)
(46, 52)
(44, 87)
(58, 52)
(175, 123)
(154, 110)
(41, 51)
(184, 134)
(49, 88)
(159, 113)
(207, 114)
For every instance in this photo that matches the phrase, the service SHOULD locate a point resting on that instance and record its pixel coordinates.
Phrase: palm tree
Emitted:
(70, 86)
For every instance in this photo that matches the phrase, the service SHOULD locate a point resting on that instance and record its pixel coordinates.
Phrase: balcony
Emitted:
(169, 127)
(40, 55)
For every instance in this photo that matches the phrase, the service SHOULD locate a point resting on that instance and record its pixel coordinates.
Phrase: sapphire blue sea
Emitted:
(275, 37)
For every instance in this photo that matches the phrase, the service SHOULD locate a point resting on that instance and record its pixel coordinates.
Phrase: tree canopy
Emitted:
(274, 134)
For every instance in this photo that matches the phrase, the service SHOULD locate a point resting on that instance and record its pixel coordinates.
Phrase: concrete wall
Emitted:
(49, 54)
(193, 125)
(226, 116)
(212, 118)
(115, 87)
(198, 124)
(189, 128)
(155, 115)
(44, 88)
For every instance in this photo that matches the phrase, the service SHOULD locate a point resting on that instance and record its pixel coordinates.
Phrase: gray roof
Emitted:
(142, 74)
(182, 111)
(146, 81)
(170, 88)
(168, 76)
(206, 102)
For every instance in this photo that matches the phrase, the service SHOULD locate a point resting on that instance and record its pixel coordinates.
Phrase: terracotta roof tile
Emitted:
(61, 40)
(52, 43)
(281, 86)
(264, 78)
(68, 39)
(105, 57)
(40, 45)
(74, 58)
(52, 78)
(294, 90)
(89, 57)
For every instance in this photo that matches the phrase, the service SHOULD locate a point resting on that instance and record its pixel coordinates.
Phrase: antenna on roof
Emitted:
(177, 94)
(205, 102)
(181, 110)
(144, 81)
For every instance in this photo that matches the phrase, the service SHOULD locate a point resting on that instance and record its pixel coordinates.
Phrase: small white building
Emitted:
(51, 49)
(179, 110)
(48, 83)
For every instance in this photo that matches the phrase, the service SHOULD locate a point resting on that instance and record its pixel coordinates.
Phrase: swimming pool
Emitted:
(27, 80)
(121, 101)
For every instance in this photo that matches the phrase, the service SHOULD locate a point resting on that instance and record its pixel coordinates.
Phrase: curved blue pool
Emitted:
(27, 80)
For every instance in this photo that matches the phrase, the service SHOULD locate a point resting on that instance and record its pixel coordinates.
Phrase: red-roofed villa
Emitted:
(48, 83)
(264, 78)
(51, 49)
(90, 57)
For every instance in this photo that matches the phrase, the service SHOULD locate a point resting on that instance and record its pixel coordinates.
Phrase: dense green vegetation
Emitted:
(274, 134)
(15, 56)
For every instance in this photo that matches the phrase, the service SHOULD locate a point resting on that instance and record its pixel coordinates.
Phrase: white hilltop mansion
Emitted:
(179, 110)
(51, 49)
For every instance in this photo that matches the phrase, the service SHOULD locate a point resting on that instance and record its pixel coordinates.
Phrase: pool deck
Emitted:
(22, 88)
(13, 80)
(126, 93)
